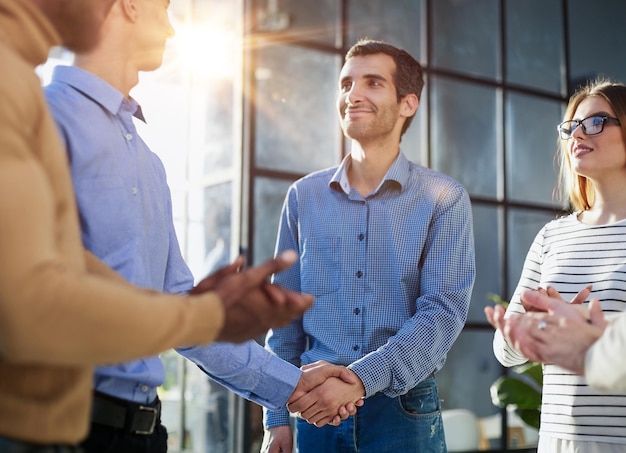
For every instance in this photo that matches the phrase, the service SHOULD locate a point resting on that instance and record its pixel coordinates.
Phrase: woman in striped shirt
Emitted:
(587, 247)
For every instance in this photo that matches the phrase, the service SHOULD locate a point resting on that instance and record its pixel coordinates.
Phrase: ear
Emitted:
(130, 8)
(409, 105)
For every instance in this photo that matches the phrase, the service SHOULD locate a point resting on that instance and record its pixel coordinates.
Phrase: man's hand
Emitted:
(316, 374)
(277, 440)
(251, 304)
(210, 283)
(319, 406)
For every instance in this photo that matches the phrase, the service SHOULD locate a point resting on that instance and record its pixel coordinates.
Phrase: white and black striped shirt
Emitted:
(568, 256)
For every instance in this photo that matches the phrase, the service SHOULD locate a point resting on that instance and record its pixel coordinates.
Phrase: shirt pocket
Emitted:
(320, 265)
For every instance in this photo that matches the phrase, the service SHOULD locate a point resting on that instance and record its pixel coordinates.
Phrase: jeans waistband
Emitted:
(125, 415)
(15, 446)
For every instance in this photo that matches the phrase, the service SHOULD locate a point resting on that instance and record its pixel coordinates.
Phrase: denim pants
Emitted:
(408, 423)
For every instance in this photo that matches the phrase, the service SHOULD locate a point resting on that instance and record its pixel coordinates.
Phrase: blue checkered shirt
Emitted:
(392, 274)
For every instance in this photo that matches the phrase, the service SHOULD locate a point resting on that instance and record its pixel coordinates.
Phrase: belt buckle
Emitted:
(154, 412)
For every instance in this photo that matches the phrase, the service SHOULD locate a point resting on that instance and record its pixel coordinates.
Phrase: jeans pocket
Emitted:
(421, 401)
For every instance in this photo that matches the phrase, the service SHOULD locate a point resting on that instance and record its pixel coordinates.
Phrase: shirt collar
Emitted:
(398, 173)
(97, 89)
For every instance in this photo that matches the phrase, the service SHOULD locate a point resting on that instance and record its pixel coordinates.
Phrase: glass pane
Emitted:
(211, 129)
(465, 379)
(310, 21)
(269, 195)
(597, 50)
(209, 237)
(297, 126)
(398, 22)
(531, 145)
(464, 134)
(466, 36)
(486, 241)
(523, 226)
(535, 44)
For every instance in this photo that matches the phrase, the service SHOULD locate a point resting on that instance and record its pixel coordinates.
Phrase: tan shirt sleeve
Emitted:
(605, 362)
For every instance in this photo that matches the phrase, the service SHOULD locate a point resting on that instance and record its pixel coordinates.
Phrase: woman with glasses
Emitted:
(586, 247)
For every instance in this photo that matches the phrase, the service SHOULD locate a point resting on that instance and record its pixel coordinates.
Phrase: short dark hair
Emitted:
(408, 76)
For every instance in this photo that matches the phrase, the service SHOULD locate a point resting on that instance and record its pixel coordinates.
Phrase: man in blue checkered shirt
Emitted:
(386, 247)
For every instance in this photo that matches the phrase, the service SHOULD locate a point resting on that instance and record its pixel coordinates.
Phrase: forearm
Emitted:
(248, 370)
(68, 317)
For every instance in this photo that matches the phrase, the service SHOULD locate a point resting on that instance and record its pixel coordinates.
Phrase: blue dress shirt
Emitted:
(126, 220)
(392, 274)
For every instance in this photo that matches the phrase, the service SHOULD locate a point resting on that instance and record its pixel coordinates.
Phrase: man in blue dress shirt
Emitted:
(126, 220)
(392, 274)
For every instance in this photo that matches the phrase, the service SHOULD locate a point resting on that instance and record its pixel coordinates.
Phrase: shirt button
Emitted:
(134, 191)
(357, 311)
(359, 274)
(355, 347)
(144, 388)
(361, 237)
(128, 137)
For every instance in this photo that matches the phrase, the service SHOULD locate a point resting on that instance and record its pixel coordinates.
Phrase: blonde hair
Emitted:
(580, 190)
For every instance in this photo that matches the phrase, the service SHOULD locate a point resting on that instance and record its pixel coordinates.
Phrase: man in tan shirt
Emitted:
(62, 310)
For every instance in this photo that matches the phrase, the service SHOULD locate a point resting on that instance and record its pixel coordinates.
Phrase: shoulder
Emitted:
(315, 179)
(426, 175)
(425, 182)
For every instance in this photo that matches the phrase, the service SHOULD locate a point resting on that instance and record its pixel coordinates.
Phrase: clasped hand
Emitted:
(326, 394)
(552, 330)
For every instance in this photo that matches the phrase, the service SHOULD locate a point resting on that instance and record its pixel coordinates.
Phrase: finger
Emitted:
(211, 281)
(582, 295)
(256, 275)
(552, 292)
(275, 293)
(596, 315)
(489, 315)
(535, 301)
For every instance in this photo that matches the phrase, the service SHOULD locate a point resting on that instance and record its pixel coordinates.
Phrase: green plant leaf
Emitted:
(497, 300)
(508, 390)
(529, 416)
(533, 370)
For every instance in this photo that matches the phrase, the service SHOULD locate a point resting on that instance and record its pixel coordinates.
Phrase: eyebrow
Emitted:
(365, 76)
(600, 113)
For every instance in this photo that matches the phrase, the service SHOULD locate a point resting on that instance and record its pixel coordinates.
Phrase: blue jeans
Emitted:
(408, 423)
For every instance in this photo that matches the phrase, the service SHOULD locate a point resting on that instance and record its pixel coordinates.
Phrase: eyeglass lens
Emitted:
(591, 126)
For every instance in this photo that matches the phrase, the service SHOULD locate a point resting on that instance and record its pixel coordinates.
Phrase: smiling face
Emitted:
(595, 156)
(367, 101)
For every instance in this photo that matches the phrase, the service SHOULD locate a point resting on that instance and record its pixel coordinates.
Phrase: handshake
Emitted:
(326, 394)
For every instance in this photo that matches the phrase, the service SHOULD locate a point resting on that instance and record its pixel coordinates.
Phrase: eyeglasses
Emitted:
(592, 125)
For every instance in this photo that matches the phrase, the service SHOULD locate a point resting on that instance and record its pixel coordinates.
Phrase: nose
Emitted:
(578, 131)
(353, 96)
(170, 28)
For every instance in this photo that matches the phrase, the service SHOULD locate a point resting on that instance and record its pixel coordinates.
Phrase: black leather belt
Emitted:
(126, 415)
